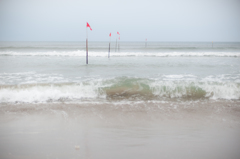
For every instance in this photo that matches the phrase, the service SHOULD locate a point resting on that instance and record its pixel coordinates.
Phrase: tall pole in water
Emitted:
(116, 45)
(116, 42)
(109, 45)
(86, 46)
(87, 42)
(146, 42)
(212, 44)
(119, 44)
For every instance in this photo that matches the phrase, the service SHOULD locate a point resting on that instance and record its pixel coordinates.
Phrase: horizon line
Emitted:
(120, 41)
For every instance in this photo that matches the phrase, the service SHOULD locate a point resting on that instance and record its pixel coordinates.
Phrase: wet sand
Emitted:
(189, 130)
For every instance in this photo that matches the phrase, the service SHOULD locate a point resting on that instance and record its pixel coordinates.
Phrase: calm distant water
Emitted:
(42, 72)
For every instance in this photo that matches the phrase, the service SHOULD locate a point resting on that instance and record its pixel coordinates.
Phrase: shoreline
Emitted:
(189, 129)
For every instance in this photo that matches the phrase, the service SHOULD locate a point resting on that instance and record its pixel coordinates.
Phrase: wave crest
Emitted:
(123, 88)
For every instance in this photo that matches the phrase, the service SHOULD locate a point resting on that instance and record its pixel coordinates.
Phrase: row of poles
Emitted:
(88, 26)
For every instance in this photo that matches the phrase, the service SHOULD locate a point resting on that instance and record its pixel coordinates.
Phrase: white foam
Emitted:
(30, 78)
(49, 93)
(226, 90)
(32, 87)
(82, 53)
(94, 90)
(178, 89)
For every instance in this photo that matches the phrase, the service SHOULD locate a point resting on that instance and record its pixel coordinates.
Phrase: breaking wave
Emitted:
(121, 88)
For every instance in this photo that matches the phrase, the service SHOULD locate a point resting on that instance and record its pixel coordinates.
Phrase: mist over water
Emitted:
(145, 99)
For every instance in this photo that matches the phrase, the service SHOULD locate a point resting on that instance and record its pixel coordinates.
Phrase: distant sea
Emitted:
(141, 86)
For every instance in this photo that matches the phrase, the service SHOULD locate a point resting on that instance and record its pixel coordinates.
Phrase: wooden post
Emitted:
(86, 51)
(119, 43)
(116, 45)
(109, 45)
(87, 41)
(109, 49)
(86, 46)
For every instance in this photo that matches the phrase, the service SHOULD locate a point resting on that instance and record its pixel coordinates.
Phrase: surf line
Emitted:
(88, 26)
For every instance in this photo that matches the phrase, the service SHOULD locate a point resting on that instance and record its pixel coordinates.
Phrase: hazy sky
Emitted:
(156, 20)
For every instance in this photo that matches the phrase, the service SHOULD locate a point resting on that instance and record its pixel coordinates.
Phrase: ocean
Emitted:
(147, 100)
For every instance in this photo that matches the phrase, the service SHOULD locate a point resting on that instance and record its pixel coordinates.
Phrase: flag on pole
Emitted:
(89, 26)
(118, 33)
(110, 34)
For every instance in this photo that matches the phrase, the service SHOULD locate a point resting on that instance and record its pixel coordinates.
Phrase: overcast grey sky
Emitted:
(157, 20)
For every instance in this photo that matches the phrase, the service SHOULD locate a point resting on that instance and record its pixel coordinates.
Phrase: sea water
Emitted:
(57, 72)
(144, 96)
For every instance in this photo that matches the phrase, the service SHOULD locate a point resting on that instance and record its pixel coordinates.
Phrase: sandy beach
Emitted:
(134, 130)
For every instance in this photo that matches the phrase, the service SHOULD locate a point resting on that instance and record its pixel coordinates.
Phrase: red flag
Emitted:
(118, 33)
(110, 34)
(89, 26)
